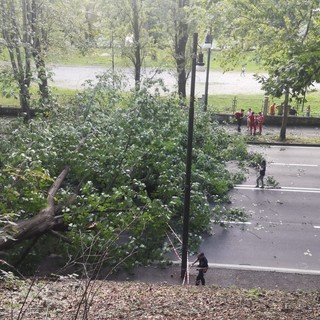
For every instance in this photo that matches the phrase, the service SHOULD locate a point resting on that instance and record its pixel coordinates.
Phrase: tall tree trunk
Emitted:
(16, 41)
(39, 40)
(137, 45)
(181, 39)
(285, 116)
(24, 97)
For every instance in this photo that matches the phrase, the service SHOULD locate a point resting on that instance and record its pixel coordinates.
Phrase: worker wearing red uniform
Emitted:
(272, 109)
(253, 127)
(260, 119)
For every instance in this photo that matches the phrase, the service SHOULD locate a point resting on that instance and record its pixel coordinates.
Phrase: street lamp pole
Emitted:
(187, 188)
(207, 45)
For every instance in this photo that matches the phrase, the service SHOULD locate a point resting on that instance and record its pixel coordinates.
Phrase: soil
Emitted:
(164, 297)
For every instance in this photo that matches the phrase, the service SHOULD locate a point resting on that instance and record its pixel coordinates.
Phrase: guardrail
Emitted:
(7, 111)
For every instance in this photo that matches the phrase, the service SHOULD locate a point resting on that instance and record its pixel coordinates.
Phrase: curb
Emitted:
(259, 269)
(283, 144)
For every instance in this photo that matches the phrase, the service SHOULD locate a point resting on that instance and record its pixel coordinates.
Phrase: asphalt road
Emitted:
(74, 77)
(283, 230)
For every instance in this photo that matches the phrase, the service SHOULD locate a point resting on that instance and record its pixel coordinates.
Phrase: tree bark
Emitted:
(137, 45)
(39, 41)
(16, 40)
(181, 39)
(39, 224)
(285, 117)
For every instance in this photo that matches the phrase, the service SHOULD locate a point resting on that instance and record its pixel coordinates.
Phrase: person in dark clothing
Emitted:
(239, 116)
(202, 268)
(262, 172)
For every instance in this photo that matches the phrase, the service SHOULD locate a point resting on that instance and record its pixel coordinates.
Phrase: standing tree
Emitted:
(15, 29)
(177, 27)
(37, 19)
(24, 28)
(126, 23)
(180, 45)
(283, 35)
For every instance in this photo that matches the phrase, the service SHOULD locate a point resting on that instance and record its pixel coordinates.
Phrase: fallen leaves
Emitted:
(74, 299)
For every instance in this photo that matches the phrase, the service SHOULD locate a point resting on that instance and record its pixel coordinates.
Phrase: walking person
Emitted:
(253, 127)
(202, 268)
(239, 116)
(308, 111)
(272, 109)
(243, 72)
(262, 173)
(260, 119)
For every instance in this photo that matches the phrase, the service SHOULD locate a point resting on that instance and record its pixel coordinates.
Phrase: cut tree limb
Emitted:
(39, 224)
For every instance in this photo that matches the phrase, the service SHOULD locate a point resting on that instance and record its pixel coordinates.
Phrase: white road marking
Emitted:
(293, 164)
(316, 227)
(282, 189)
(234, 222)
(257, 268)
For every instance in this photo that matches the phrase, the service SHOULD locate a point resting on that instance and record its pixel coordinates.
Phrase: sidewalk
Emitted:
(292, 134)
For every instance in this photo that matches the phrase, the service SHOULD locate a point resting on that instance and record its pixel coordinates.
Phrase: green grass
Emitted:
(231, 103)
(62, 96)
(8, 101)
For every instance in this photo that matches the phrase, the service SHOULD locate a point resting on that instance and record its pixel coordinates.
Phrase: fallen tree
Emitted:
(128, 175)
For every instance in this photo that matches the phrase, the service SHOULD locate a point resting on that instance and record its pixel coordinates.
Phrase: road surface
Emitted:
(283, 229)
(219, 83)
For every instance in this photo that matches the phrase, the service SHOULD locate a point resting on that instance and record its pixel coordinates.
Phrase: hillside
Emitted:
(136, 300)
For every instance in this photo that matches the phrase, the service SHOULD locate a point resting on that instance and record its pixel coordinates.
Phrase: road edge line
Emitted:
(241, 267)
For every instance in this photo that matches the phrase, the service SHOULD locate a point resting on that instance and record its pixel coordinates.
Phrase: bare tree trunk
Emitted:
(39, 41)
(24, 42)
(285, 116)
(137, 45)
(181, 39)
(19, 52)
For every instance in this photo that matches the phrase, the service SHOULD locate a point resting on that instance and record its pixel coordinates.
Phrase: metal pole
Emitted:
(207, 82)
(187, 188)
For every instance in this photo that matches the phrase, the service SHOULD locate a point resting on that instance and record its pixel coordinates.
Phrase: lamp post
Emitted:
(207, 45)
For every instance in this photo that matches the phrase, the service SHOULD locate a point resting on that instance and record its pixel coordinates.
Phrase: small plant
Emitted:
(10, 280)
(254, 158)
(272, 182)
(256, 293)
(223, 215)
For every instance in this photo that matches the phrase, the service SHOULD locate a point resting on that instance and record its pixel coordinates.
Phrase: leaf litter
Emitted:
(80, 299)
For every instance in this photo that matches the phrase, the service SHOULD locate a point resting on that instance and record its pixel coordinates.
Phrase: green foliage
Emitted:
(283, 35)
(127, 153)
(272, 182)
(8, 86)
(224, 216)
(10, 280)
(254, 159)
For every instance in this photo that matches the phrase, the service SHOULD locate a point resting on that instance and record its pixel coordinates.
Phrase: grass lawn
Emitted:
(62, 96)
(231, 103)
